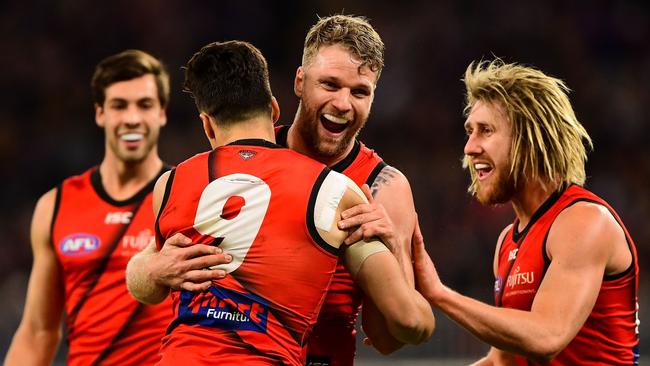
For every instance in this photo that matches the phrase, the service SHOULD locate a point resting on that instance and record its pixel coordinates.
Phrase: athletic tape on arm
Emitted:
(328, 199)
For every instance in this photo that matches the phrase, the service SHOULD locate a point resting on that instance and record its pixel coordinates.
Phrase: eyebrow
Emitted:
(125, 100)
(340, 81)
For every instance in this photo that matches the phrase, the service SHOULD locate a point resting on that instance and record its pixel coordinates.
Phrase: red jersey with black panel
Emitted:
(94, 237)
(610, 334)
(333, 341)
(256, 201)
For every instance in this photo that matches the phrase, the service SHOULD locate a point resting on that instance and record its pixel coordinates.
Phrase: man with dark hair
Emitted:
(275, 212)
(343, 57)
(85, 230)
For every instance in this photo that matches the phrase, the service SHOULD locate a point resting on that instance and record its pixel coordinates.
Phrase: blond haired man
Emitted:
(342, 60)
(566, 270)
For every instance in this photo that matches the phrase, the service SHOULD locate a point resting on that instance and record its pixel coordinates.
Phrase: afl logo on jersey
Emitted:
(79, 244)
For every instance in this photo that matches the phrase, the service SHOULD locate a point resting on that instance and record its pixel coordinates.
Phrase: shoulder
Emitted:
(501, 239)
(46, 203)
(497, 248)
(392, 183)
(43, 215)
(587, 226)
(584, 216)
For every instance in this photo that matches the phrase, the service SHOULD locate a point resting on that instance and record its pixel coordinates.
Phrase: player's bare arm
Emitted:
(408, 316)
(496, 357)
(584, 243)
(389, 215)
(178, 265)
(39, 332)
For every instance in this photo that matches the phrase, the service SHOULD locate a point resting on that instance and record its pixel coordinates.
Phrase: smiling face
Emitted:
(131, 117)
(487, 153)
(335, 99)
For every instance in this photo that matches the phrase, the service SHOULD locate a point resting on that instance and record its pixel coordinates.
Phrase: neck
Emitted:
(529, 198)
(122, 180)
(255, 128)
(298, 144)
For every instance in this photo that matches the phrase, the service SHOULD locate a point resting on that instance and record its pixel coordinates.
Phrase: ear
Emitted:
(275, 110)
(99, 115)
(298, 82)
(207, 126)
(163, 116)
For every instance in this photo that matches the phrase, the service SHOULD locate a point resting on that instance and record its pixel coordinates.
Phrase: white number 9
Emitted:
(233, 208)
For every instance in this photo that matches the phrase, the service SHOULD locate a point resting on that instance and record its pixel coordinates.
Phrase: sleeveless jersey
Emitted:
(333, 341)
(256, 201)
(610, 334)
(94, 237)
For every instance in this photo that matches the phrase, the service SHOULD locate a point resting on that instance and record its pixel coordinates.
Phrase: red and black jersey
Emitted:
(333, 341)
(255, 200)
(610, 334)
(94, 237)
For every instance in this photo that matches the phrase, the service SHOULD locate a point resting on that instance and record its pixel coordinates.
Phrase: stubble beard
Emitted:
(500, 191)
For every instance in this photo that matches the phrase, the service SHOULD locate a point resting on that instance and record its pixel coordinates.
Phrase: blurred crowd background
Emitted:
(600, 48)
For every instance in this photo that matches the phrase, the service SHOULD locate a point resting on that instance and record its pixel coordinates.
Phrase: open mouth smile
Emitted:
(333, 123)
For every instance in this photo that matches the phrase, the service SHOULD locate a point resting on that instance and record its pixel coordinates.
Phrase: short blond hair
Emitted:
(549, 144)
(352, 32)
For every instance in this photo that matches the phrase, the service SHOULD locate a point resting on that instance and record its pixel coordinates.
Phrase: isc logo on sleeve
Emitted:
(79, 244)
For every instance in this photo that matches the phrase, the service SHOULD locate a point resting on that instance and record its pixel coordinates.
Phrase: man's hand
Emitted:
(427, 281)
(371, 219)
(183, 265)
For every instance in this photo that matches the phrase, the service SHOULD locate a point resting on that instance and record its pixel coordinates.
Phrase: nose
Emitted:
(341, 100)
(472, 146)
(133, 115)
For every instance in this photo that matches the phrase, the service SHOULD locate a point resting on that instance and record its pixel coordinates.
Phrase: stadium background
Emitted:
(600, 48)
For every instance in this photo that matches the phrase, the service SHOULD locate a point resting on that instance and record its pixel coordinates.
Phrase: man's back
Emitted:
(256, 201)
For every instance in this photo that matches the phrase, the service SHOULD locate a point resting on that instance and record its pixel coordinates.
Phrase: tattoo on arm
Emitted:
(383, 179)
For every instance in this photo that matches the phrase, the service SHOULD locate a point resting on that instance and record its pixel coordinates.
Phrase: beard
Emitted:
(499, 191)
(323, 146)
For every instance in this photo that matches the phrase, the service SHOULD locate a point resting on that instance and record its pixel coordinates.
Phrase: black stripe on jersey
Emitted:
(96, 181)
(55, 212)
(517, 236)
(125, 326)
(163, 203)
(348, 160)
(255, 142)
(311, 225)
(100, 269)
(375, 172)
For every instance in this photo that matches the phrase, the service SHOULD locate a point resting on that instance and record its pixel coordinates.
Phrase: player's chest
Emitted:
(82, 237)
(520, 272)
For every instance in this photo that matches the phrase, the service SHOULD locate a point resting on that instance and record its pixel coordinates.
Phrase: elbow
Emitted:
(414, 329)
(152, 298)
(385, 345)
(545, 349)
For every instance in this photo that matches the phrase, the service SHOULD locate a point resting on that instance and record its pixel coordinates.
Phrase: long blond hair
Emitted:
(549, 144)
